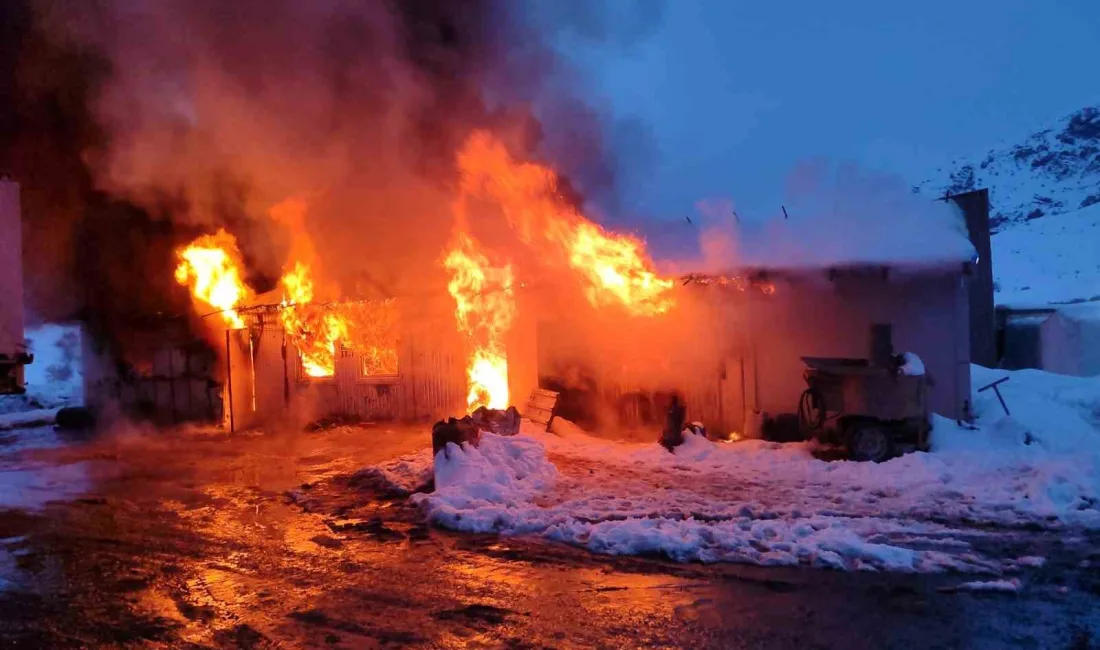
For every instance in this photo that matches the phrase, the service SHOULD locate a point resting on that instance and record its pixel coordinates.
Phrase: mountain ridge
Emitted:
(1053, 171)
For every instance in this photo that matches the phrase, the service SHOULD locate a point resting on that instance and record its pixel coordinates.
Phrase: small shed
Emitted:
(1070, 340)
(1063, 339)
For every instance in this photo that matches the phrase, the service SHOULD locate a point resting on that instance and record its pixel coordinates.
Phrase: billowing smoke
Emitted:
(134, 127)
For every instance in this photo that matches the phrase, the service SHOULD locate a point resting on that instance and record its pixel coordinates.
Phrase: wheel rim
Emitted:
(871, 443)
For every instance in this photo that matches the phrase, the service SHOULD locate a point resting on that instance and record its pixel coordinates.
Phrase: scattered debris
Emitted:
(460, 432)
(468, 430)
(502, 423)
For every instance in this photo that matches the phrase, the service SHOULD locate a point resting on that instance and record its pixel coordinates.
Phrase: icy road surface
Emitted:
(191, 539)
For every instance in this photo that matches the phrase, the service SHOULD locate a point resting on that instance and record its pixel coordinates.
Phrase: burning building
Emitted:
(372, 218)
(468, 341)
(590, 317)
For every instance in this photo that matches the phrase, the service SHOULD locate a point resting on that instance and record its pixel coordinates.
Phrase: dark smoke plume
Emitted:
(135, 126)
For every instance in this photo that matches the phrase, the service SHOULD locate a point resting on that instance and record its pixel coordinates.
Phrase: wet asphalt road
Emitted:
(178, 540)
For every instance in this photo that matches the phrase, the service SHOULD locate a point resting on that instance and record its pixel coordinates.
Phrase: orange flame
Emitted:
(373, 334)
(314, 330)
(615, 267)
(485, 309)
(367, 328)
(211, 266)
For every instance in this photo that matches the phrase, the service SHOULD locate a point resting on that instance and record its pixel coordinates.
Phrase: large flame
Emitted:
(315, 330)
(211, 266)
(615, 270)
(615, 267)
(485, 309)
(373, 328)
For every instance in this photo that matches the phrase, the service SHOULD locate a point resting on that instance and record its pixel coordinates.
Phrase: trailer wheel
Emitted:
(870, 442)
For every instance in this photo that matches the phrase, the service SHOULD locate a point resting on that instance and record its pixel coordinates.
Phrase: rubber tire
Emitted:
(870, 442)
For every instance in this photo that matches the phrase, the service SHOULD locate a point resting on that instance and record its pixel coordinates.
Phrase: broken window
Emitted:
(373, 338)
(364, 334)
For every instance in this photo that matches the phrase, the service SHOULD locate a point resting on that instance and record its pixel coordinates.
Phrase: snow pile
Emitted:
(913, 366)
(776, 504)
(818, 541)
(1004, 586)
(55, 378)
(986, 476)
(1043, 460)
(1053, 413)
(639, 499)
(32, 418)
(402, 476)
(488, 487)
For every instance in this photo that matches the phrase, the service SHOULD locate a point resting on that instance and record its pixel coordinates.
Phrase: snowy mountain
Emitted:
(1050, 172)
(1045, 211)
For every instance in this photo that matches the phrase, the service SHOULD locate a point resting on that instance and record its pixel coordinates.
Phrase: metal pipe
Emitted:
(229, 382)
(744, 398)
(751, 321)
(190, 414)
(252, 368)
(172, 384)
(286, 375)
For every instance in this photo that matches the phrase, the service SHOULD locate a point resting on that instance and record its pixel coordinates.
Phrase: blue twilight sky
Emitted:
(735, 93)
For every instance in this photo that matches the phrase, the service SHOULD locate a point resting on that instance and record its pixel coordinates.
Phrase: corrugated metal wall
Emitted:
(430, 383)
(178, 384)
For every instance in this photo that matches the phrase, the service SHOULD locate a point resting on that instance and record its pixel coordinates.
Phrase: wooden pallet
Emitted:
(540, 407)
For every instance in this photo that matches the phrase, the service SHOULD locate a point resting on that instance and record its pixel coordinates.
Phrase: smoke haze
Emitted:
(134, 127)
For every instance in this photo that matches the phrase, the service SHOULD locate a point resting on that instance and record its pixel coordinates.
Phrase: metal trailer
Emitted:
(13, 348)
(875, 410)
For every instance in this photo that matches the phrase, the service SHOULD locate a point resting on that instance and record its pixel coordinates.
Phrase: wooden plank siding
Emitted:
(430, 383)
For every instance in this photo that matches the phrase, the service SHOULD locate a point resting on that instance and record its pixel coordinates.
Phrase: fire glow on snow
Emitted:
(770, 504)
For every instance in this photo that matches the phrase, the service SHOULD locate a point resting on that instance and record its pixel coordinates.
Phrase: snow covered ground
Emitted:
(771, 504)
(53, 380)
(1049, 260)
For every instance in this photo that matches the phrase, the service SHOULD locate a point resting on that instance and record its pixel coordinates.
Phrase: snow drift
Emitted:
(776, 504)
(488, 488)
